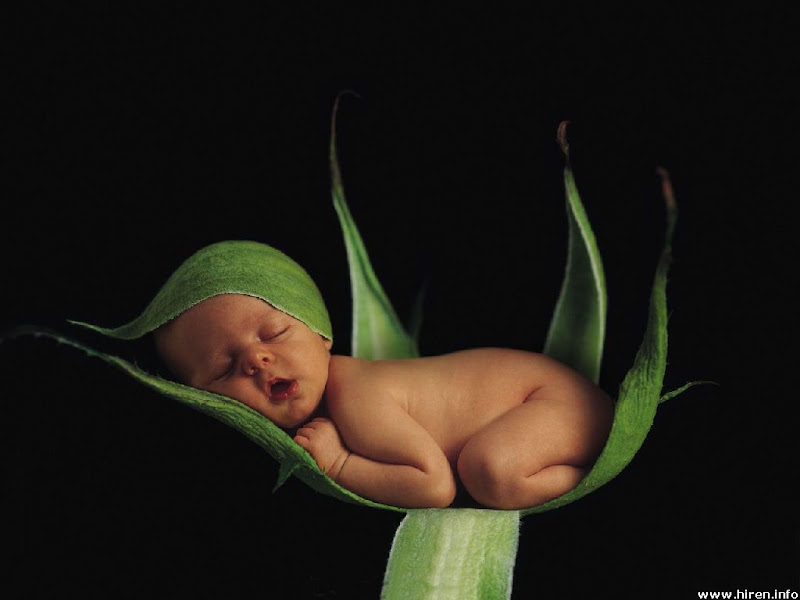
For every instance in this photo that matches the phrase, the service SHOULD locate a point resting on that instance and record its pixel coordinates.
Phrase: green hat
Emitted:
(232, 267)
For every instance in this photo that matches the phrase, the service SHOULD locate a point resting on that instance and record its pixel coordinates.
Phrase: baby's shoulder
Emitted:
(350, 382)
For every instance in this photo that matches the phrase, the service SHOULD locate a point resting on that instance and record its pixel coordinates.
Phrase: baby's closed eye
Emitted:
(225, 371)
(272, 333)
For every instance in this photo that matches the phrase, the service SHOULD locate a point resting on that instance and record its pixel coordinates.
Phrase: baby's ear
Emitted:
(328, 343)
(161, 341)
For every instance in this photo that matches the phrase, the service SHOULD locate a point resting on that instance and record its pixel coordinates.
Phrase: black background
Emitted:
(137, 136)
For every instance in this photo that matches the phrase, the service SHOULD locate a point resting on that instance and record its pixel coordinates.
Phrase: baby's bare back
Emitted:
(454, 396)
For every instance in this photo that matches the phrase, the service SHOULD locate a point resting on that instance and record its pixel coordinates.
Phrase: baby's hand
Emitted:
(322, 441)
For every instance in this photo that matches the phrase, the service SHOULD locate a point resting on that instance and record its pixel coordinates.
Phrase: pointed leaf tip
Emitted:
(683, 388)
(288, 466)
(334, 162)
(336, 109)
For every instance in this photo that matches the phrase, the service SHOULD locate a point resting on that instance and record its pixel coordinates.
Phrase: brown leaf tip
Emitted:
(562, 138)
(666, 188)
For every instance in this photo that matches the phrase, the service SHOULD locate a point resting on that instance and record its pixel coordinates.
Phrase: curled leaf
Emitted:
(640, 391)
(377, 331)
(578, 327)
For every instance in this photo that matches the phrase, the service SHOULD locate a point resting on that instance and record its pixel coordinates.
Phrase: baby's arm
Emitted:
(320, 438)
(391, 458)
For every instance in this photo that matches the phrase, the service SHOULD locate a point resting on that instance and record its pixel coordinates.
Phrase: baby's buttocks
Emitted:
(456, 395)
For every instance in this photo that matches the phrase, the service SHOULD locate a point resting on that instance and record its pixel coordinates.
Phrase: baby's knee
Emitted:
(489, 477)
(498, 480)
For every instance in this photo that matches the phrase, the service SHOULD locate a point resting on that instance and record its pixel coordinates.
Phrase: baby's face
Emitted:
(240, 346)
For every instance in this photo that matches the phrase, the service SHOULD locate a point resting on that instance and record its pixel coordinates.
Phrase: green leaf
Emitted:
(683, 388)
(639, 394)
(377, 332)
(288, 466)
(294, 460)
(454, 553)
(231, 267)
(578, 327)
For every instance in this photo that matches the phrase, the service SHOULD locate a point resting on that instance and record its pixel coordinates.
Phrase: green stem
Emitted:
(460, 553)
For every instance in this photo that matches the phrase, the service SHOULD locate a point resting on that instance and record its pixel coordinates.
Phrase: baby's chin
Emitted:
(299, 414)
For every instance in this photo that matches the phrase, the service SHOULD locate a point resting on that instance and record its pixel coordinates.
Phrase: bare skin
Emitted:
(515, 428)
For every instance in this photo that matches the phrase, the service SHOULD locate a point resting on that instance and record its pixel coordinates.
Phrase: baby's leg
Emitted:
(537, 451)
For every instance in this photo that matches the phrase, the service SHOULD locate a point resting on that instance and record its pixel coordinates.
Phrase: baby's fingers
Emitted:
(314, 423)
(306, 433)
(311, 448)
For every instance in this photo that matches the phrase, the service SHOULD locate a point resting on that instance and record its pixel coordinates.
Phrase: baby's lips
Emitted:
(281, 389)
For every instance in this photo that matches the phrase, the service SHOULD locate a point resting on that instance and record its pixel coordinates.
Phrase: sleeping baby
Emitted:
(514, 429)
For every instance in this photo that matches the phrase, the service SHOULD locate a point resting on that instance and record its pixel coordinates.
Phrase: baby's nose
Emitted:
(255, 359)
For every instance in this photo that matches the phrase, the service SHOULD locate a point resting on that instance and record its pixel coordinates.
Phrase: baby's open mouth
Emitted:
(280, 389)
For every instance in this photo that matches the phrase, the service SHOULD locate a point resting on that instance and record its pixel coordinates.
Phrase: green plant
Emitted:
(465, 553)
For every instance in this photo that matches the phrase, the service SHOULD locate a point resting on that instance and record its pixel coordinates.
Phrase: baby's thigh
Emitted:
(550, 428)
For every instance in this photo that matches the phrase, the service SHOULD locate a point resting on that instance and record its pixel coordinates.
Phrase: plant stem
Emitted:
(461, 553)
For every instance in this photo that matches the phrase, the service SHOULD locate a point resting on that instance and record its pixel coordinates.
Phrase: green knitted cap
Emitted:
(232, 267)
